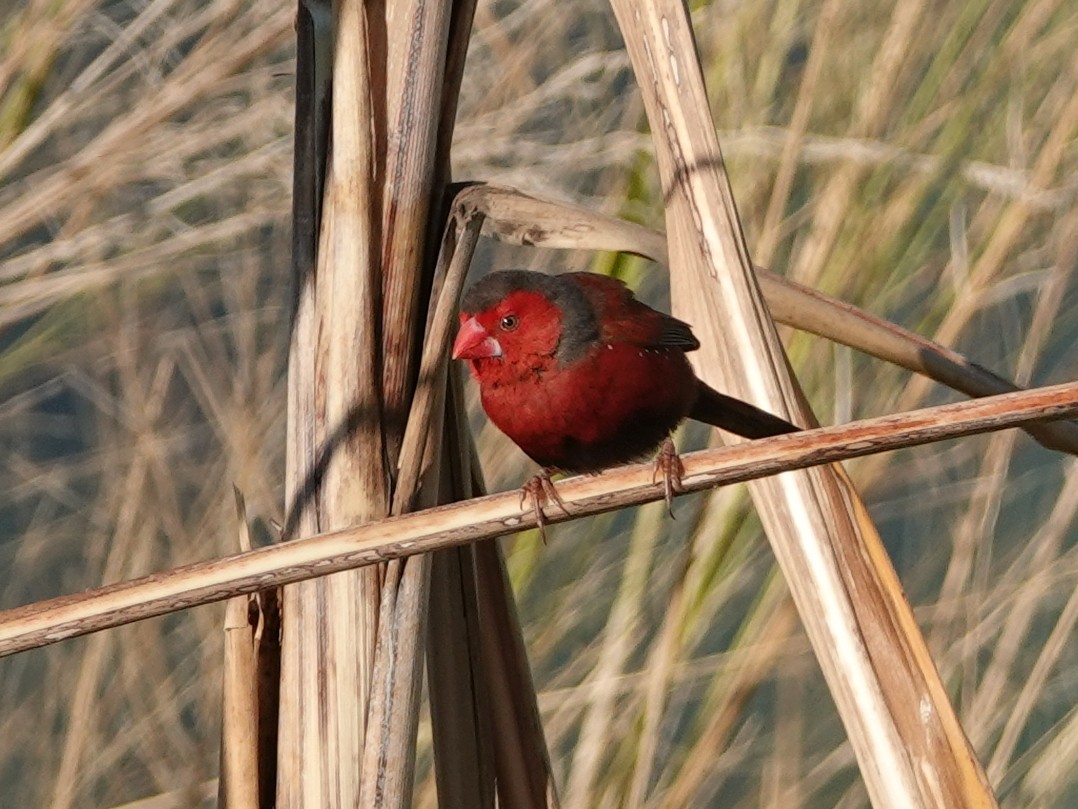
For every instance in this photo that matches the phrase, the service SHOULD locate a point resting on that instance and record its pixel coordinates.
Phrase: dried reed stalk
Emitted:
(909, 745)
(396, 74)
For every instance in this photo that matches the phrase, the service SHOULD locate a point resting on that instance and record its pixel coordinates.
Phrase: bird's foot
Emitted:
(540, 490)
(668, 464)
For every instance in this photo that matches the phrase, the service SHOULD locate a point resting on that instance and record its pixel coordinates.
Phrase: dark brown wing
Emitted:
(624, 319)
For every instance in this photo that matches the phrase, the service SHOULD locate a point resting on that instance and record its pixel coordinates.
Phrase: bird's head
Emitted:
(508, 316)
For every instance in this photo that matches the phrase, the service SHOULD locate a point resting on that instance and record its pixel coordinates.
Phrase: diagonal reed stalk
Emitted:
(446, 526)
(909, 744)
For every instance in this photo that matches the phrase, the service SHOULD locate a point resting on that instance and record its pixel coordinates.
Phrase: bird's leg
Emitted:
(668, 464)
(540, 489)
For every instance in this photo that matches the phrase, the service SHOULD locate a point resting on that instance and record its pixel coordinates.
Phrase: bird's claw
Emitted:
(540, 489)
(668, 464)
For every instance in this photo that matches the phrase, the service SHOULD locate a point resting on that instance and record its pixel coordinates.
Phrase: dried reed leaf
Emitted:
(416, 41)
(458, 701)
(525, 777)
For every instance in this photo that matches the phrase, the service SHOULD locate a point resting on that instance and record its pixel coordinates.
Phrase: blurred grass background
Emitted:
(918, 161)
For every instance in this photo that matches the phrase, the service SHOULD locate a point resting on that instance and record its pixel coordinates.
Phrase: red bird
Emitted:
(583, 376)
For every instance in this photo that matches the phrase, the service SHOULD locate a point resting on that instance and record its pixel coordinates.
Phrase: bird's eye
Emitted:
(510, 322)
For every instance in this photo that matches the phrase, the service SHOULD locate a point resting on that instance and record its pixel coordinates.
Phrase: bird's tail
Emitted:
(736, 416)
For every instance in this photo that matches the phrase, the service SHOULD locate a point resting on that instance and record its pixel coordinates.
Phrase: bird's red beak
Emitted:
(474, 342)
